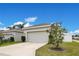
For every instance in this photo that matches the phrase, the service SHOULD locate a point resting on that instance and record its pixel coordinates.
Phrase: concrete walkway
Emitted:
(21, 49)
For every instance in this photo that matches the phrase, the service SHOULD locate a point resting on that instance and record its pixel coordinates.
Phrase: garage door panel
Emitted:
(37, 36)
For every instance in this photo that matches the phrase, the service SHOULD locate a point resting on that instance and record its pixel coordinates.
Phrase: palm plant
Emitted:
(20, 25)
(56, 34)
(9, 28)
(13, 27)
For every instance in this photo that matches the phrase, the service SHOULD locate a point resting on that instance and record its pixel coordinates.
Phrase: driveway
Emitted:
(20, 49)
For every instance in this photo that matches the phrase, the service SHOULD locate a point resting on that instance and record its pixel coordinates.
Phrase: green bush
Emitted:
(11, 39)
(6, 40)
(23, 38)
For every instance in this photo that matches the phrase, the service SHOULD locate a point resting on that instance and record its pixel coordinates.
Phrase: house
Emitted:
(13, 33)
(36, 34)
(40, 33)
(75, 36)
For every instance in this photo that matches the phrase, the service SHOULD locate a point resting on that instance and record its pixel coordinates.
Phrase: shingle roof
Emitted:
(36, 26)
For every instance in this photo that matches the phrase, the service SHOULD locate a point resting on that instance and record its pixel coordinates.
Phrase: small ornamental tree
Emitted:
(56, 34)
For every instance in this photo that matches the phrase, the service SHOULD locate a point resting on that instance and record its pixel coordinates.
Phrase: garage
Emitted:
(38, 36)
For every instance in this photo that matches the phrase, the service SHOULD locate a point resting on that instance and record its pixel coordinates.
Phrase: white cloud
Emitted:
(75, 32)
(1, 23)
(11, 25)
(27, 25)
(16, 23)
(71, 32)
(19, 22)
(28, 20)
(3, 28)
(31, 19)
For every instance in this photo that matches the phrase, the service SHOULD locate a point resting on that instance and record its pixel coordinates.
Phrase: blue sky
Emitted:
(68, 14)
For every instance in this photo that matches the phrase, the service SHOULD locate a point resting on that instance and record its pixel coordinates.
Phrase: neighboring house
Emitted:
(75, 36)
(37, 34)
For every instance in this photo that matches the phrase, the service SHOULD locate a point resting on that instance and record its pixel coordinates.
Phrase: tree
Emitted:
(56, 34)
(9, 28)
(20, 25)
(14, 27)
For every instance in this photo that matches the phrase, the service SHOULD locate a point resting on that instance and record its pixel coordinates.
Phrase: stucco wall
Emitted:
(37, 32)
(7, 35)
(17, 36)
(67, 37)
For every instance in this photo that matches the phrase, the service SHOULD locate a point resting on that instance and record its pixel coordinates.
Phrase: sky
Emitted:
(40, 13)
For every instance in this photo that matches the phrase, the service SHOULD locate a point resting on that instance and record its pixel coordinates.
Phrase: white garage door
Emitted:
(38, 37)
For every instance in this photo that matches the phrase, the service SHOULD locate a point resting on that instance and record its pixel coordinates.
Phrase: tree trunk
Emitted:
(57, 45)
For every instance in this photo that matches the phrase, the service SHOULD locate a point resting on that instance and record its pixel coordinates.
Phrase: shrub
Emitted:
(6, 40)
(11, 39)
(23, 38)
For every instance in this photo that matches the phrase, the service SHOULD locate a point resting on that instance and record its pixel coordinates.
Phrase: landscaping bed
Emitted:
(69, 49)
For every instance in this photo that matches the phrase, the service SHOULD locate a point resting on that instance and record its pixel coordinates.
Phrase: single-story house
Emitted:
(37, 34)
(40, 33)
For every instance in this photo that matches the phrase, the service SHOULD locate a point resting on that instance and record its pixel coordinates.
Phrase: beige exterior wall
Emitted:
(37, 34)
(17, 36)
(67, 37)
(7, 35)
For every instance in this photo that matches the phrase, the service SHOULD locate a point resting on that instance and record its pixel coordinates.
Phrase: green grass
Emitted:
(8, 43)
(70, 49)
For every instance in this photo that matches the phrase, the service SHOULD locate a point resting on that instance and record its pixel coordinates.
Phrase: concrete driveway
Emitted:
(20, 49)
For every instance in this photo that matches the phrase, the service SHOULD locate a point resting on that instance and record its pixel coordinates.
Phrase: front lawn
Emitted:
(70, 49)
(8, 43)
